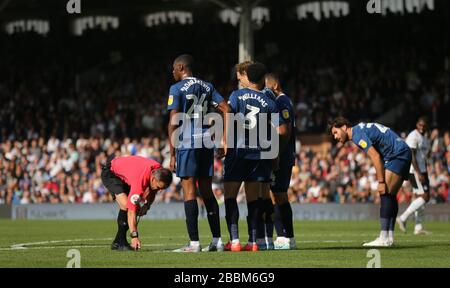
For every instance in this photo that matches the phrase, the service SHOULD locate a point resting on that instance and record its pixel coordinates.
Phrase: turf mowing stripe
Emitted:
(18, 247)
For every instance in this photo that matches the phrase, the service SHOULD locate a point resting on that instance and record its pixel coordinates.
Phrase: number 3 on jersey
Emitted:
(250, 117)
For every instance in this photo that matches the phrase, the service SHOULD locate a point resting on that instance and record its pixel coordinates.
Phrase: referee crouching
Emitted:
(133, 181)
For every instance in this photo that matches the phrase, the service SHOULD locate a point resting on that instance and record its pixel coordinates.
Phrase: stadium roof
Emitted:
(16, 6)
(10, 9)
(29, 7)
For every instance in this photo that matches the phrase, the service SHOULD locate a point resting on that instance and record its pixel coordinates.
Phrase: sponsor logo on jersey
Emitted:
(170, 102)
(362, 144)
(285, 114)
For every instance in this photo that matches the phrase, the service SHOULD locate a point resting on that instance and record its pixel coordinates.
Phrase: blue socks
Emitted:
(286, 218)
(278, 222)
(232, 217)
(394, 212)
(254, 214)
(191, 210)
(212, 209)
(388, 212)
(268, 214)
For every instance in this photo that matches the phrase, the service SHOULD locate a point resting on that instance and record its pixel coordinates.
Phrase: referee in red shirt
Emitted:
(133, 181)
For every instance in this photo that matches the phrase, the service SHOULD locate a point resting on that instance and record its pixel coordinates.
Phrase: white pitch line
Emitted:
(83, 246)
(22, 245)
(16, 247)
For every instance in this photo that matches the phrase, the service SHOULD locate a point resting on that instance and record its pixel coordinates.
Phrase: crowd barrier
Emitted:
(170, 211)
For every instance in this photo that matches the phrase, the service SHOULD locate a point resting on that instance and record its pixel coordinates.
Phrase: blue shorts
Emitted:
(280, 184)
(400, 165)
(239, 170)
(195, 163)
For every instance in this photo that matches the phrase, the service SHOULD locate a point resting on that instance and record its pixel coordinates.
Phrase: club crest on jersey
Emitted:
(362, 143)
(170, 101)
(135, 199)
(285, 114)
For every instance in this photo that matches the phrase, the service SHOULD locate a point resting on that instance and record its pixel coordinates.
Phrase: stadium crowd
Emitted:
(68, 171)
(59, 124)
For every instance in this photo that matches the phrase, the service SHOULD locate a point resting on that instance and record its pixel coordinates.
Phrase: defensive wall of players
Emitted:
(170, 211)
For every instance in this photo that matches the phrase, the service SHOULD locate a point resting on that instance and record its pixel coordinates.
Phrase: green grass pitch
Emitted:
(320, 244)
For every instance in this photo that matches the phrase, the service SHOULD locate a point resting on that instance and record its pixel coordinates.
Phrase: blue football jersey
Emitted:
(269, 93)
(194, 97)
(383, 139)
(249, 105)
(287, 115)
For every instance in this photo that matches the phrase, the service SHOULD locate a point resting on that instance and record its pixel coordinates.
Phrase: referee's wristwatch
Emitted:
(134, 234)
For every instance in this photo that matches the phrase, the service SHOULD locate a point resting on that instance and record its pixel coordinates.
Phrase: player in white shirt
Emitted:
(420, 146)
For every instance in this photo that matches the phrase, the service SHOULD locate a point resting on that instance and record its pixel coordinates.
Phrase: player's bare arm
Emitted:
(171, 128)
(132, 223)
(224, 109)
(379, 167)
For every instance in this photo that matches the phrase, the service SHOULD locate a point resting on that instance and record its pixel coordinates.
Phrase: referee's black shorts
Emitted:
(113, 183)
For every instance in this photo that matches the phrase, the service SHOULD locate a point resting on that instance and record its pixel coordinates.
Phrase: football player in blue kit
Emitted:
(391, 157)
(282, 175)
(241, 76)
(194, 163)
(244, 163)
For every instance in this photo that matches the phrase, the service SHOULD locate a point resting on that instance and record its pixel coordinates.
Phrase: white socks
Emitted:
(420, 213)
(235, 241)
(217, 240)
(391, 236)
(413, 207)
(384, 235)
(195, 243)
(387, 235)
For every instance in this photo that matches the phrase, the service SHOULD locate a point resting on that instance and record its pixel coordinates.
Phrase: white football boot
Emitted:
(379, 242)
(189, 249)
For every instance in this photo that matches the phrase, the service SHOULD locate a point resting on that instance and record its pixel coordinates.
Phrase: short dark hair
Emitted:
(187, 61)
(273, 77)
(338, 122)
(163, 175)
(256, 72)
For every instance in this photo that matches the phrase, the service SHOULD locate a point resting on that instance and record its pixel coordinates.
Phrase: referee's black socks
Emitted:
(122, 227)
